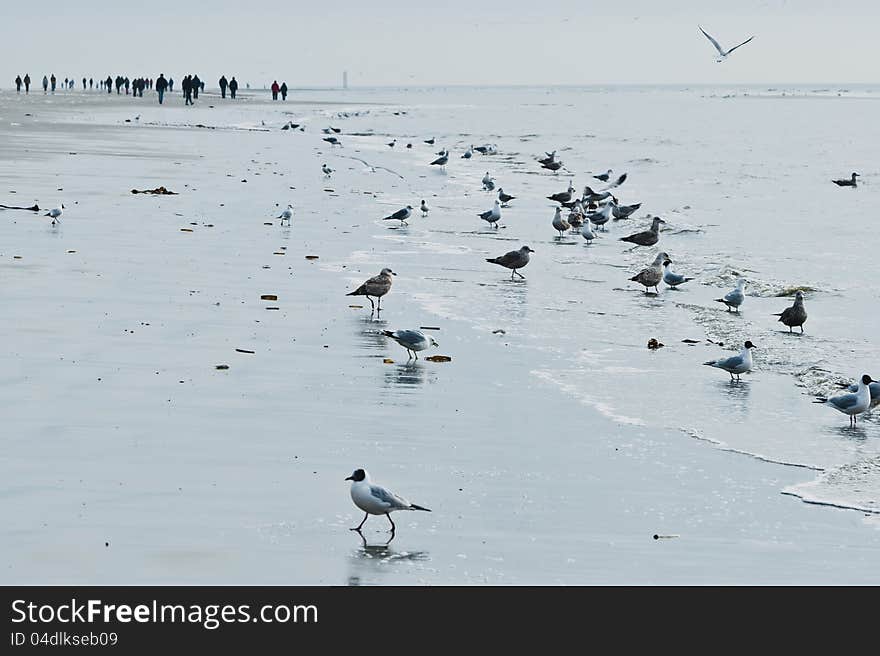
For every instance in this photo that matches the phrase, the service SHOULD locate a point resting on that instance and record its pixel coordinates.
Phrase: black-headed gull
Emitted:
(852, 404)
(737, 364)
(376, 499)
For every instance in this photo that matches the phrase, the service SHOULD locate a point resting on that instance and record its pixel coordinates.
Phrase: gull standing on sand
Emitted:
(493, 216)
(441, 161)
(560, 224)
(487, 181)
(852, 404)
(392, 144)
(513, 260)
(327, 170)
(333, 141)
(286, 215)
(553, 165)
(623, 211)
(469, 152)
(412, 340)
(424, 208)
(795, 315)
(737, 364)
(400, 215)
(562, 196)
(587, 231)
(671, 278)
(651, 275)
(601, 217)
(56, 213)
(851, 182)
(647, 237)
(504, 198)
(376, 286)
(735, 298)
(604, 177)
(375, 499)
(722, 53)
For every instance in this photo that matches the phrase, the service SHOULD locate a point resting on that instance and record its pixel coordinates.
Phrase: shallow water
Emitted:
(550, 453)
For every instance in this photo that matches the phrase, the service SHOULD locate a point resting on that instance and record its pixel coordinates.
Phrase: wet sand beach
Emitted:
(552, 448)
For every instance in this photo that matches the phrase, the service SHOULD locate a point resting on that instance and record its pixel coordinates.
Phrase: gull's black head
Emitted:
(357, 476)
(667, 262)
(867, 380)
(749, 345)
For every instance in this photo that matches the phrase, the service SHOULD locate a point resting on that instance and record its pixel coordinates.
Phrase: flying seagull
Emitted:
(722, 53)
(376, 286)
(375, 499)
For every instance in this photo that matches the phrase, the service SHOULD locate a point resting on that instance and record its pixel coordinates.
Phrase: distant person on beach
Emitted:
(275, 90)
(187, 90)
(91, 83)
(170, 85)
(18, 83)
(223, 84)
(53, 81)
(65, 84)
(84, 84)
(195, 84)
(108, 83)
(27, 83)
(233, 87)
(161, 85)
(283, 91)
(45, 84)
(126, 83)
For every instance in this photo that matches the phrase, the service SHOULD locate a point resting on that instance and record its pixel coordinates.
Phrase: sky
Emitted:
(467, 42)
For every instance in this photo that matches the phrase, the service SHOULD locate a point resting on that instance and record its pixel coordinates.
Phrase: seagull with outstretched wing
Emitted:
(722, 53)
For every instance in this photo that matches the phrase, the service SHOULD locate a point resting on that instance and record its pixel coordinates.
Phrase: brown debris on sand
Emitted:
(161, 191)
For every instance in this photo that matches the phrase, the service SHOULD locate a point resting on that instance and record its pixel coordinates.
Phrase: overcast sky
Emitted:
(398, 42)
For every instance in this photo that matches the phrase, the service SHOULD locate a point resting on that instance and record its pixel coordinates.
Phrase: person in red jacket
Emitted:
(275, 90)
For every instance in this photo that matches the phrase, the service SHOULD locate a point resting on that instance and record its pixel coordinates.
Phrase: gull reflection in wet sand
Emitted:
(371, 561)
(410, 374)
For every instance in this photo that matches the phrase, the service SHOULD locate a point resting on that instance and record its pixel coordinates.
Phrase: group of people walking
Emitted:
(191, 86)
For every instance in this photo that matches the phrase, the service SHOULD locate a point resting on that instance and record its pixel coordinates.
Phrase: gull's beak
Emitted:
(393, 274)
(350, 478)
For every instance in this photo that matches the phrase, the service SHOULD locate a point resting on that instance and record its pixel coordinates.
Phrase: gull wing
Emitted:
(741, 44)
(388, 497)
(714, 42)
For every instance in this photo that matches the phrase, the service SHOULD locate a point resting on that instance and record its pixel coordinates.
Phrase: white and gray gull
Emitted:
(737, 364)
(400, 215)
(493, 216)
(376, 499)
(852, 404)
(412, 340)
(735, 298)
